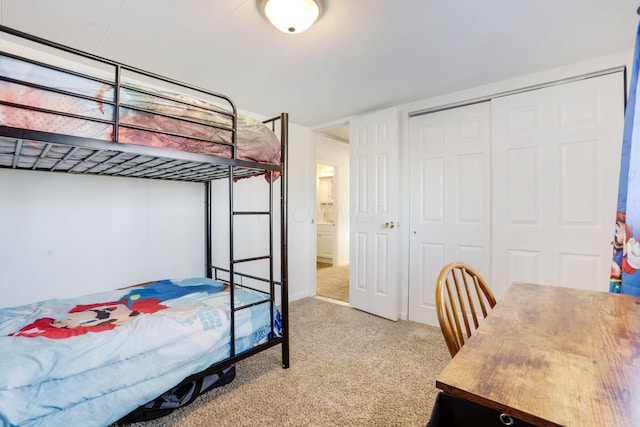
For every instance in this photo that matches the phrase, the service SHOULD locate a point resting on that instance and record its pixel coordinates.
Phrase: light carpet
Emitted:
(347, 368)
(333, 282)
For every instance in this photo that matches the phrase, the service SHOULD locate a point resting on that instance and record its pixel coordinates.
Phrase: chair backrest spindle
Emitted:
(459, 291)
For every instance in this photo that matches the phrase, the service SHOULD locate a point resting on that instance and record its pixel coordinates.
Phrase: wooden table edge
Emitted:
(515, 413)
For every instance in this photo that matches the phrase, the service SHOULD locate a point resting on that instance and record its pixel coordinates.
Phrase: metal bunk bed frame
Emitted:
(72, 154)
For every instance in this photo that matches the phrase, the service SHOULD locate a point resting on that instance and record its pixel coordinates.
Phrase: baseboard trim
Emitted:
(331, 300)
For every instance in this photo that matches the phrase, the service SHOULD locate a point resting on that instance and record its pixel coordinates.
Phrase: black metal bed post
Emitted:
(232, 313)
(284, 258)
(116, 108)
(207, 229)
(232, 260)
(272, 285)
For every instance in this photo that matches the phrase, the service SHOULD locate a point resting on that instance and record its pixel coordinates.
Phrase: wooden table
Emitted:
(554, 356)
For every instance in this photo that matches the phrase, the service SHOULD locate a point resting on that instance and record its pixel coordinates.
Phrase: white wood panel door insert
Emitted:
(556, 161)
(450, 200)
(374, 256)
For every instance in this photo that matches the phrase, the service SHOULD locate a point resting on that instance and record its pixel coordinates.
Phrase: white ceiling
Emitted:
(360, 56)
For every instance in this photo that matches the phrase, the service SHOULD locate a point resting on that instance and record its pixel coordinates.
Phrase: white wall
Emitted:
(302, 174)
(64, 235)
(336, 153)
(615, 59)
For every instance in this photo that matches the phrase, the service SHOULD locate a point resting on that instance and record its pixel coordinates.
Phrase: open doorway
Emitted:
(332, 217)
(332, 280)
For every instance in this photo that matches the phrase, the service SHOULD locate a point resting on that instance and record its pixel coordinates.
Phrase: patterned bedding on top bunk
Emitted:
(170, 120)
(93, 359)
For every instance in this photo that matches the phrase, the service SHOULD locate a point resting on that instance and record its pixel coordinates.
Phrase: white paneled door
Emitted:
(450, 199)
(374, 254)
(556, 159)
(523, 188)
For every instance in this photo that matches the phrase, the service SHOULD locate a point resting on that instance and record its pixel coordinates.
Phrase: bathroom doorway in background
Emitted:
(332, 280)
(332, 214)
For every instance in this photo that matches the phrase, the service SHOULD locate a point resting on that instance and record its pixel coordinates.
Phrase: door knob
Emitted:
(391, 224)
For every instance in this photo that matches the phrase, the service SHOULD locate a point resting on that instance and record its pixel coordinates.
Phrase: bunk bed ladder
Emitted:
(237, 278)
(233, 261)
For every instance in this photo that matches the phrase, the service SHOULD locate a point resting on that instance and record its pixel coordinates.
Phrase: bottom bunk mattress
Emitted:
(90, 360)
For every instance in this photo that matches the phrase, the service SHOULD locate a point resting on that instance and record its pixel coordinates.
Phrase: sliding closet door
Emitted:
(556, 155)
(450, 204)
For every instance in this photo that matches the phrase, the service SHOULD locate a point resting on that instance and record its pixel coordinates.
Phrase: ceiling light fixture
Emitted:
(292, 16)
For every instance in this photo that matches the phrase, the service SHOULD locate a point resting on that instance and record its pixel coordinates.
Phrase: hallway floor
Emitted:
(333, 282)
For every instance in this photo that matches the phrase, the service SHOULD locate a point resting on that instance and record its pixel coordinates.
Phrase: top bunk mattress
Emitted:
(130, 108)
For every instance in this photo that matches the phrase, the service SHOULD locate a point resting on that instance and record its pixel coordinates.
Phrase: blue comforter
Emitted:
(93, 359)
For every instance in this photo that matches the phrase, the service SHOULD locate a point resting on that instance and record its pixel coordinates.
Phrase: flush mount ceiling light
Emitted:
(291, 16)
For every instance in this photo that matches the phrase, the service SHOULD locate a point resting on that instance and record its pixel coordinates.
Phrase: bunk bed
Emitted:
(68, 111)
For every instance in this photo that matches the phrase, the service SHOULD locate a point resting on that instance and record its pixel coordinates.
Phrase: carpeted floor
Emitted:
(332, 282)
(347, 368)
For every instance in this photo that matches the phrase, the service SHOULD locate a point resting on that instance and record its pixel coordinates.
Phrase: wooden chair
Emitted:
(460, 291)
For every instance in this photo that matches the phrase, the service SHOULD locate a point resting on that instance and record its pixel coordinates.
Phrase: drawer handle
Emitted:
(506, 420)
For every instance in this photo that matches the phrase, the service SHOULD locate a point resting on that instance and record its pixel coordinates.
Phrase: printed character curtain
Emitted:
(625, 277)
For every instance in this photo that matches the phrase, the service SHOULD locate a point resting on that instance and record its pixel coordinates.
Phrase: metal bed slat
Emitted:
(182, 175)
(17, 155)
(144, 173)
(43, 155)
(88, 159)
(157, 169)
(103, 162)
(163, 170)
(55, 157)
(133, 161)
(125, 164)
(188, 174)
(38, 137)
(65, 158)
